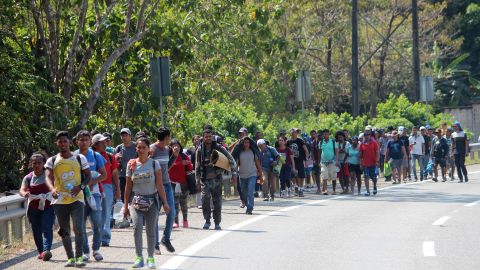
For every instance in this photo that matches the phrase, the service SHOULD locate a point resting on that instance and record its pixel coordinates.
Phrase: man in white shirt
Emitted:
(417, 151)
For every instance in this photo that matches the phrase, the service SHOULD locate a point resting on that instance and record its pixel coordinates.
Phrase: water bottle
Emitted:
(88, 194)
(69, 186)
(94, 174)
(117, 211)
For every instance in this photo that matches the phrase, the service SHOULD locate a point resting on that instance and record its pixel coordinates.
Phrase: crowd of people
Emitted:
(85, 184)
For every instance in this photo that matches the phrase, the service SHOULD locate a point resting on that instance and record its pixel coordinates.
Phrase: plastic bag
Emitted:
(387, 170)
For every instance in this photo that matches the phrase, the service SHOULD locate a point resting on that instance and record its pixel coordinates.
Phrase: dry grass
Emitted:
(17, 247)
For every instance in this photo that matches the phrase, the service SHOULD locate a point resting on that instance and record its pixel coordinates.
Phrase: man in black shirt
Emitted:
(406, 162)
(300, 153)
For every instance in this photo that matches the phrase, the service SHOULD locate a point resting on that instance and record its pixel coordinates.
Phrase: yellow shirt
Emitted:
(67, 173)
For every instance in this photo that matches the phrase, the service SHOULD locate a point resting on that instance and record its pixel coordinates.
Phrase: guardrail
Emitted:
(474, 147)
(12, 212)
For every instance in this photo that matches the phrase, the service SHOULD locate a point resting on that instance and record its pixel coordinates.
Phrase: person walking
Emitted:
(341, 147)
(460, 149)
(300, 154)
(111, 185)
(210, 178)
(287, 167)
(39, 211)
(269, 159)
(123, 153)
(178, 177)
(450, 161)
(160, 151)
(369, 159)
(427, 133)
(234, 147)
(64, 181)
(97, 166)
(144, 179)
(439, 155)
(395, 154)
(329, 162)
(314, 137)
(249, 170)
(354, 165)
(417, 151)
(403, 137)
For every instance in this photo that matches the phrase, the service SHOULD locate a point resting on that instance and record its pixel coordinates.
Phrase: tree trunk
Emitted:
(331, 91)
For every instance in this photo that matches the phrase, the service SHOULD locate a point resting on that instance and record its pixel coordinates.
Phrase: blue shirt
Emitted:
(353, 155)
(96, 162)
(395, 148)
(267, 157)
(328, 151)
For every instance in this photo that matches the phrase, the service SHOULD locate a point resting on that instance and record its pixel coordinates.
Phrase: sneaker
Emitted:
(185, 224)
(395, 183)
(151, 263)
(168, 245)
(466, 179)
(40, 256)
(175, 225)
(367, 194)
(157, 250)
(249, 212)
(444, 179)
(207, 225)
(97, 256)
(104, 244)
(47, 255)
(435, 179)
(242, 205)
(266, 199)
(308, 189)
(138, 263)
(300, 193)
(375, 191)
(272, 198)
(199, 206)
(86, 257)
(296, 190)
(334, 193)
(460, 181)
(217, 227)
(70, 263)
(256, 195)
(79, 262)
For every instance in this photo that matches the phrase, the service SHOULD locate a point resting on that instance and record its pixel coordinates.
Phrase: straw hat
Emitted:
(220, 160)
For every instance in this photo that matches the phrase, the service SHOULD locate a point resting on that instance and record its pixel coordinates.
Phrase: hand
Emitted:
(119, 156)
(54, 194)
(186, 162)
(126, 211)
(234, 179)
(176, 151)
(75, 190)
(118, 195)
(166, 208)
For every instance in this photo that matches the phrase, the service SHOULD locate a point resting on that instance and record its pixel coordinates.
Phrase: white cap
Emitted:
(126, 130)
(98, 138)
(261, 141)
(422, 128)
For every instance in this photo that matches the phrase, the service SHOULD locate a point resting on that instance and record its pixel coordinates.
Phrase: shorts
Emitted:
(328, 172)
(343, 170)
(396, 163)
(439, 161)
(370, 172)
(300, 167)
(354, 168)
(308, 170)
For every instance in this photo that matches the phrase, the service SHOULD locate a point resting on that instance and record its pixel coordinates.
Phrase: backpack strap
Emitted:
(29, 178)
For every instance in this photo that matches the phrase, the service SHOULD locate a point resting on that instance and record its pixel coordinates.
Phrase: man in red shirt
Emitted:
(111, 185)
(369, 158)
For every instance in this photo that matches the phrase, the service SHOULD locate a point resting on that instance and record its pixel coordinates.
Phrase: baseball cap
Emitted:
(260, 142)
(293, 130)
(401, 128)
(438, 130)
(126, 130)
(243, 130)
(98, 138)
(108, 135)
(422, 128)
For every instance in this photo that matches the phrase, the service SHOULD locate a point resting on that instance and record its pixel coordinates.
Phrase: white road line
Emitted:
(429, 249)
(472, 203)
(179, 259)
(441, 220)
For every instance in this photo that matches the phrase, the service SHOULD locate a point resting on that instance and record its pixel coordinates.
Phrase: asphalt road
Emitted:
(421, 225)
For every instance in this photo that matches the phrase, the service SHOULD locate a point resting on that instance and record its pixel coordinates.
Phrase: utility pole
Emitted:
(355, 76)
(416, 54)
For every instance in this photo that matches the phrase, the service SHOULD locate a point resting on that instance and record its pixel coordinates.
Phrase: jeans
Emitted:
(167, 232)
(248, 187)
(420, 163)
(460, 164)
(42, 227)
(122, 181)
(285, 176)
(107, 203)
(64, 212)
(426, 159)
(150, 218)
(96, 222)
